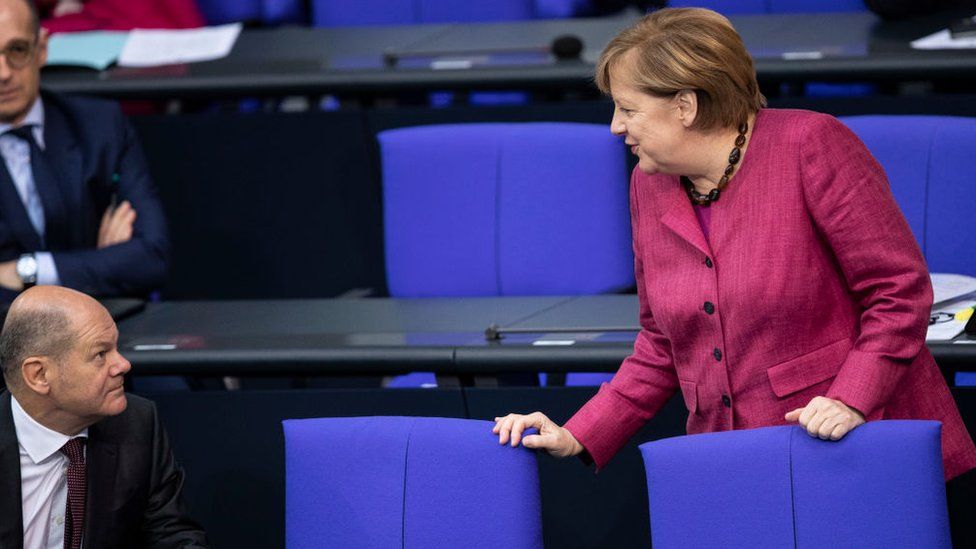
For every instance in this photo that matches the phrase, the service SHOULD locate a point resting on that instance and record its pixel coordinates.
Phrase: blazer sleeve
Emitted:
(848, 196)
(135, 267)
(165, 521)
(645, 381)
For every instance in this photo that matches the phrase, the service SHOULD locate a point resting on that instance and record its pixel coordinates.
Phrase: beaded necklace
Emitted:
(734, 157)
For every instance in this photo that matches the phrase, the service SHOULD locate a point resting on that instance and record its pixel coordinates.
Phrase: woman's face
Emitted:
(651, 126)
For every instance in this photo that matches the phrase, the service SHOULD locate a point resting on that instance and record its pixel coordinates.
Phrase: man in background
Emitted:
(77, 205)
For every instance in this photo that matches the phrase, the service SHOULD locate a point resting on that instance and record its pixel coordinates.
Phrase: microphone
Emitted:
(566, 47)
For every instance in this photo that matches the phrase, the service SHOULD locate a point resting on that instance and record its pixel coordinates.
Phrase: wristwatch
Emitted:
(27, 270)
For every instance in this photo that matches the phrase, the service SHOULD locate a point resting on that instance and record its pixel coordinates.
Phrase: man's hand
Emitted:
(116, 226)
(826, 418)
(8, 276)
(552, 438)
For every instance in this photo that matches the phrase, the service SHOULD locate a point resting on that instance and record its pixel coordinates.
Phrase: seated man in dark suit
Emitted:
(77, 205)
(80, 459)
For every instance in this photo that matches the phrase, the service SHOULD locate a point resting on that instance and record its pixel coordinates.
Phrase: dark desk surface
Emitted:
(382, 336)
(786, 47)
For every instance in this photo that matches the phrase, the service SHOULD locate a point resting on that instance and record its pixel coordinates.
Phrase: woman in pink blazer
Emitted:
(778, 280)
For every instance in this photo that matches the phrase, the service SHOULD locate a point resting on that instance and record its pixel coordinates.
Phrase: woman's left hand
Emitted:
(826, 418)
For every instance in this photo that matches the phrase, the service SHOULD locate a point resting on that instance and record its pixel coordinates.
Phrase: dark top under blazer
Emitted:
(93, 154)
(134, 484)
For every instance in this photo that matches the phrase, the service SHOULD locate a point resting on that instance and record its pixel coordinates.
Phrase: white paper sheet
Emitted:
(951, 286)
(942, 40)
(150, 48)
(945, 326)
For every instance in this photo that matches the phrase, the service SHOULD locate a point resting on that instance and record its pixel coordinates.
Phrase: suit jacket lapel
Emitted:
(58, 177)
(679, 216)
(14, 214)
(102, 460)
(11, 506)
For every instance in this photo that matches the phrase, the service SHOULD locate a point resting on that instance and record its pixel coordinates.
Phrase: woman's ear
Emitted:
(686, 106)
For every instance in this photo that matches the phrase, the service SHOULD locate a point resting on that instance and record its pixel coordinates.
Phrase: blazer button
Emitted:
(726, 401)
(708, 262)
(709, 307)
(717, 354)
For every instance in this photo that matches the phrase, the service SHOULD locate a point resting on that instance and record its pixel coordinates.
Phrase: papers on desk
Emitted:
(951, 286)
(954, 295)
(942, 40)
(150, 48)
(142, 48)
(95, 50)
(946, 321)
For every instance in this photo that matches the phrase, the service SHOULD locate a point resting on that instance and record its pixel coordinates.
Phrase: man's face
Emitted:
(87, 383)
(20, 74)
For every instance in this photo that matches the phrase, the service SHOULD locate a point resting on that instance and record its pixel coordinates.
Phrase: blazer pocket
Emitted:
(689, 391)
(807, 370)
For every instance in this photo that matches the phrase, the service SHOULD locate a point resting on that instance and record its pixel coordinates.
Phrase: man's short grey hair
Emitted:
(33, 332)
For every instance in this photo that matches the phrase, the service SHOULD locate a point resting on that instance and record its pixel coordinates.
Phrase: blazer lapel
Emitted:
(679, 216)
(58, 176)
(11, 517)
(12, 211)
(102, 460)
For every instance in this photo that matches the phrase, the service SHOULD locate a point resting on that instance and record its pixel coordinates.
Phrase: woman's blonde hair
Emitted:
(688, 49)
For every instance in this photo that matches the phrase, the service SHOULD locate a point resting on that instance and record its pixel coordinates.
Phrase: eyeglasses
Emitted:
(18, 53)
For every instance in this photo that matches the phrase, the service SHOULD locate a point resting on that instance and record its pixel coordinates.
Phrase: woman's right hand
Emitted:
(552, 438)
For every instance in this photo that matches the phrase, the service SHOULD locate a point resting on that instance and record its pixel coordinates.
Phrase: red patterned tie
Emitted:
(74, 513)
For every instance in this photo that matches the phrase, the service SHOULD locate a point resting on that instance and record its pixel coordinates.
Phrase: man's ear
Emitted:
(42, 39)
(686, 105)
(37, 372)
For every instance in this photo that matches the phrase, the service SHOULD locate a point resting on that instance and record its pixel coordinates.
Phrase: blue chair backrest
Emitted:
(776, 486)
(284, 11)
(732, 7)
(927, 160)
(407, 482)
(505, 209)
(334, 13)
(218, 12)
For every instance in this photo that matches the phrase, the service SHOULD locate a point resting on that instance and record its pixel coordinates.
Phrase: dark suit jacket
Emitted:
(92, 153)
(134, 484)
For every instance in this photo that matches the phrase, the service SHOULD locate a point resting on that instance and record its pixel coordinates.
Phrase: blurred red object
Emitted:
(123, 15)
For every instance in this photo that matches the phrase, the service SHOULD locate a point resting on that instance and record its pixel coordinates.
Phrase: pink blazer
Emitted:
(810, 283)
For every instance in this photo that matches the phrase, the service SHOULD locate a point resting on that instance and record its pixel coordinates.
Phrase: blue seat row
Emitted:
(414, 482)
(541, 208)
(336, 13)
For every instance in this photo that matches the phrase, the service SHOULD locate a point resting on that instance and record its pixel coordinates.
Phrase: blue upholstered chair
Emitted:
(926, 159)
(880, 486)
(409, 482)
(335, 13)
(505, 209)
(217, 12)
